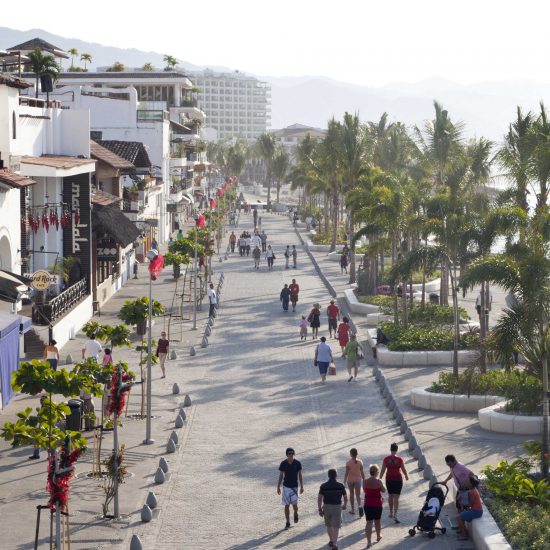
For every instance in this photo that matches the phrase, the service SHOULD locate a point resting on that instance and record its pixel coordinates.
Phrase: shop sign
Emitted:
(41, 280)
(107, 250)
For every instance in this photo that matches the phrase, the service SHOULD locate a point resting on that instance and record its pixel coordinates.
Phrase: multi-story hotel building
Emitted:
(237, 105)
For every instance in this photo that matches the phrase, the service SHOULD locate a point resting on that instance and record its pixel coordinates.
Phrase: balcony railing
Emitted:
(67, 299)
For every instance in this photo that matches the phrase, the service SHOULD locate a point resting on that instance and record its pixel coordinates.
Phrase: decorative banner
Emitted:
(200, 221)
(155, 266)
(212, 204)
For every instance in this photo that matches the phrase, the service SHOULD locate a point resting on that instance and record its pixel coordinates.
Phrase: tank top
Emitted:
(51, 354)
(393, 467)
(373, 497)
(354, 469)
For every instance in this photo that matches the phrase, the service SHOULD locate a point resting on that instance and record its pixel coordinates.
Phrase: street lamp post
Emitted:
(151, 255)
(545, 466)
(195, 276)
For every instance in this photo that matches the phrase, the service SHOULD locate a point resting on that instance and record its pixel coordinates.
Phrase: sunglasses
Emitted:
(289, 454)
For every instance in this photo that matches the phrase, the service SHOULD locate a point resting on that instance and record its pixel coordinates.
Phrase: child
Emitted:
(303, 328)
(107, 358)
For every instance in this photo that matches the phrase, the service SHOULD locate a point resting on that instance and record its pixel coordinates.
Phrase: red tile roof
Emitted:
(108, 157)
(14, 180)
(56, 161)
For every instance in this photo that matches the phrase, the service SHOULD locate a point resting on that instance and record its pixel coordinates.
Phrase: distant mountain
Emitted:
(486, 108)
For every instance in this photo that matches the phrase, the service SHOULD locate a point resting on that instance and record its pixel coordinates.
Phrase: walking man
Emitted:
(330, 506)
(256, 253)
(287, 256)
(285, 297)
(290, 473)
(213, 299)
(294, 256)
(232, 241)
(333, 314)
(263, 238)
(242, 244)
(91, 349)
(162, 352)
(294, 290)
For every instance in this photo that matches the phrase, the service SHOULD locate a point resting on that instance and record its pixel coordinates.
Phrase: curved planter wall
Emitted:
(493, 420)
(316, 247)
(422, 358)
(422, 399)
(356, 306)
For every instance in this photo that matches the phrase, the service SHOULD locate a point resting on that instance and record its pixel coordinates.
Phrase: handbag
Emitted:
(332, 369)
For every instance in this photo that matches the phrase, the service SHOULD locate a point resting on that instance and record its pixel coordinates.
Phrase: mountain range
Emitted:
(486, 108)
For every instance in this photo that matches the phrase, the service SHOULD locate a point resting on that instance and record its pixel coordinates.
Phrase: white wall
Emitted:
(10, 230)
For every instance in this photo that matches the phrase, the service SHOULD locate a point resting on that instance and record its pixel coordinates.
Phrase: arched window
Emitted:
(14, 125)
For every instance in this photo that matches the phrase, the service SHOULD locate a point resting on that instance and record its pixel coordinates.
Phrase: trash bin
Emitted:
(74, 419)
(434, 298)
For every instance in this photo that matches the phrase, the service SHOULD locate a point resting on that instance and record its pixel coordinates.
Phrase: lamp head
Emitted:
(152, 254)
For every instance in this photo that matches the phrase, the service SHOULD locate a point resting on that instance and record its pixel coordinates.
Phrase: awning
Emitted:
(11, 286)
(188, 198)
(112, 221)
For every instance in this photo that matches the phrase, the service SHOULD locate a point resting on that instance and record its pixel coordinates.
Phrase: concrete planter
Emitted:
(422, 358)
(375, 319)
(356, 306)
(493, 420)
(316, 247)
(423, 399)
(335, 256)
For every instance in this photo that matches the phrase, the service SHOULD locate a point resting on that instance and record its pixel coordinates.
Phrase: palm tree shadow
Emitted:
(258, 542)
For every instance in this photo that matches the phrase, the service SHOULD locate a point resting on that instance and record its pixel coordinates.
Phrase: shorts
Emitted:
(372, 513)
(323, 367)
(333, 515)
(354, 484)
(332, 324)
(469, 515)
(289, 496)
(351, 363)
(394, 486)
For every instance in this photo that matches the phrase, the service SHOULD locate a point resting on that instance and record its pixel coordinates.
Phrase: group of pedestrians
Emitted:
(333, 495)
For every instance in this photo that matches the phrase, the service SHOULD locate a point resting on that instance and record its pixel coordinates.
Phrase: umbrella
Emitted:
(11, 286)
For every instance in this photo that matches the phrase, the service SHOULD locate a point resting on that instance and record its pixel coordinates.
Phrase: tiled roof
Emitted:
(13, 81)
(34, 43)
(132, 151)
(14, 180)
(108, 157)
(103, 198)
(121, 74)
(56, 161)
(111, 220)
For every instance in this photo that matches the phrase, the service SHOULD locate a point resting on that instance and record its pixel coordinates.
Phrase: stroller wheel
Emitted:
(412, 532)
(443, 530)
(431, 534)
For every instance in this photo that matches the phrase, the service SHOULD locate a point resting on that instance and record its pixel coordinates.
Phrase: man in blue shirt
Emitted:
(290, 473)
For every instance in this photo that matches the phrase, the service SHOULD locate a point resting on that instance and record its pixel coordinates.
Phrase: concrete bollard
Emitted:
(214, 312)
(412, 443)
(163, 465)
(392, 405)
(226, 256)
(396, 413)
(187, 401)
(428, 472)
(173, 354)
(182, 414)
(175, 388)
(422, 462)
(408, 434)
(179, 422)
(404, 426)
(389, 397)
(192, 351)
(433, 480)
(159, 476)
(204, 342)
(417, 452)
(211, 321)
(170, 446)
(69, 360)
(146, 514)
(151, 500)
(174, 437)
(207, 330)
(135, 543)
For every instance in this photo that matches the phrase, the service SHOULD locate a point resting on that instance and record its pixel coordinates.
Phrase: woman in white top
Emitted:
(269, 256)
(51, 354)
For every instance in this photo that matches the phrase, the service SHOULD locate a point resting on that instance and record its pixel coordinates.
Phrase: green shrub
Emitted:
(378, 300)
(424, 338)
(326, 238)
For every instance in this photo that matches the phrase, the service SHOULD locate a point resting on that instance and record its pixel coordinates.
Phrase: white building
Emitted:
(237, 105)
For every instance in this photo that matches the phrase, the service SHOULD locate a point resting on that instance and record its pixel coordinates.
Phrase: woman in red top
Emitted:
(474, 509)
(393, 466)
(373, 503)
(343, 333)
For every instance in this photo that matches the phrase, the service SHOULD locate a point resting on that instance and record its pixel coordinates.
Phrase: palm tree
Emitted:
(148, 67)
(265, 147)
(42, 65)
(170, 61)
(117, 67)
(74, 53)
(280, 167)
(236, 158)
(87, 58)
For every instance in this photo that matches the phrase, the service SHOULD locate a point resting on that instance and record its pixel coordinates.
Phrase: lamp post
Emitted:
(151, 255)
(196, 217)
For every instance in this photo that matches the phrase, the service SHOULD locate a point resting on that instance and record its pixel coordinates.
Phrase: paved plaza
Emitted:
(255, 392)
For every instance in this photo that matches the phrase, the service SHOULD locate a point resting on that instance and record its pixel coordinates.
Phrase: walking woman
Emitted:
(51, 354)
(373, 503)
(343, 334)
(269, 256)
(352, 353)
(314, 319)
(343, 263)
(393, 467)
(354, 476)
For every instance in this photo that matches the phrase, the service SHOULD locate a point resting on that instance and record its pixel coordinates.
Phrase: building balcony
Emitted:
(191, 113)
(177, 163)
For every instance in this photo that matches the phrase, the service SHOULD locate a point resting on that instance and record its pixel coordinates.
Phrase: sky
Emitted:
(364, 42)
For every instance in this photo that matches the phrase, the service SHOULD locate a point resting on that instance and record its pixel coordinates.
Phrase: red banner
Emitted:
(200, 221)
(212, 204)
(155, 267)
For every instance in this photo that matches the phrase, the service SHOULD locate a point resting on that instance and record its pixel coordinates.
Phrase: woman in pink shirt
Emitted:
(354, 477)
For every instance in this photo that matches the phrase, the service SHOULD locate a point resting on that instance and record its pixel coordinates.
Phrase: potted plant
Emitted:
(175, 259)
(135, 312)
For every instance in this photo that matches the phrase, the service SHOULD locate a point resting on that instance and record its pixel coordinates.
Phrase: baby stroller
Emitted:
(427, 519)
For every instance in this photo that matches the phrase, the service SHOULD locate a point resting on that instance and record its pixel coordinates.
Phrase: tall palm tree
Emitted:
(87, 58)
(265, 147)
(281, 162)
(42, 65)
(73, 52)
(170, 61)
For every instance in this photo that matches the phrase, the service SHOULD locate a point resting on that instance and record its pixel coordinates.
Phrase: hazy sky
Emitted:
(367, 42)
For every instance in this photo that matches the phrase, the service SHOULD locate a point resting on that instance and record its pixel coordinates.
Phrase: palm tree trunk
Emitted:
(482, 330)
(352, 273)
(334, 207)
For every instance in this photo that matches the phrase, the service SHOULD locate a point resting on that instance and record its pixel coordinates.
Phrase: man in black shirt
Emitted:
(330, 506)
(290, 472)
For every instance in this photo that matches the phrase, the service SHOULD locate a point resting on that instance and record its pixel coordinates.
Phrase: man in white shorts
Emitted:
(290, 473)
